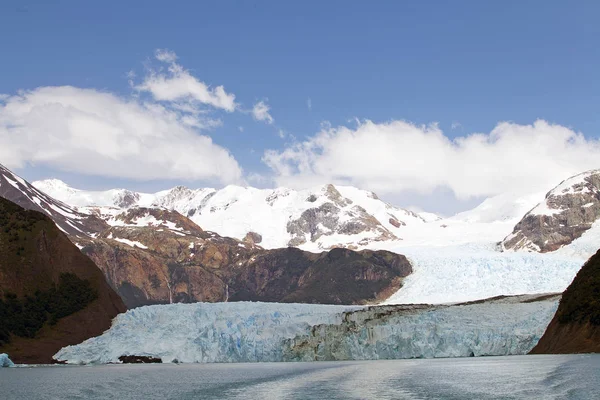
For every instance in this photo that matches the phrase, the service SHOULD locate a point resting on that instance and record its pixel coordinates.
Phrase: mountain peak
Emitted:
(564, 215)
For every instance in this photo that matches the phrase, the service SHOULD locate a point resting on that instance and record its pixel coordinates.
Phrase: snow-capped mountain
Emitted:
(319, 218)
(567, 212)
(67, 218)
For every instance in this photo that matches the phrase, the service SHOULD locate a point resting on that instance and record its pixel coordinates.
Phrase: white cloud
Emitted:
(165, 55)
(98, 133)
(260, 112)
(241, 128)
(175, 84)
(309, 104)
(455, 125)
(395, 157)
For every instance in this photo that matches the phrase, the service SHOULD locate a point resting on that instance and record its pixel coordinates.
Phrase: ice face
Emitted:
(5, 361)
(253, 332)
(203, 332)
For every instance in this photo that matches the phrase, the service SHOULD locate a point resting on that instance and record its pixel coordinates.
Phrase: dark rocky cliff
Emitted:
(576, 326)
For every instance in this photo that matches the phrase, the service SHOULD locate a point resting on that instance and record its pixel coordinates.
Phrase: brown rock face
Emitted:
(149, 265)
(33, 255)
(568, 211)
(396, 223)
(576, 326)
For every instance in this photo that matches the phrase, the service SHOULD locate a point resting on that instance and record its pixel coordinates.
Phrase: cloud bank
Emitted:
(156, 133)
(398, 156)
(97, 133)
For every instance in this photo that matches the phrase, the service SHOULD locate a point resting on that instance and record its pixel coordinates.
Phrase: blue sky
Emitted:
(465, 65)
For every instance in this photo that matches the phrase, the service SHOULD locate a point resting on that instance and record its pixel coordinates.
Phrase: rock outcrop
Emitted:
(252, 238)
(576, 326)
(567, 212)
(337, 216)
(51, 295)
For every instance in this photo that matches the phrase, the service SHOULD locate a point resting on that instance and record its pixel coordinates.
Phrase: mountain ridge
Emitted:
(319, 218)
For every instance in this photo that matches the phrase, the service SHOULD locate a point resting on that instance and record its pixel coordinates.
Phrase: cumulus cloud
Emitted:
(176, 84)
(398, 156)
(99, 133)
(260, 112)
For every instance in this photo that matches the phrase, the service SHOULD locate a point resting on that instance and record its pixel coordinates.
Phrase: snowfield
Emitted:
(256, 332)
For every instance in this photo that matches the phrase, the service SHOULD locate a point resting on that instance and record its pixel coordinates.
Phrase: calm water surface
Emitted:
(517, 377)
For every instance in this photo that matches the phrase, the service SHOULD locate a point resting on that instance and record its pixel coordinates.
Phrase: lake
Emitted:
(513, 377)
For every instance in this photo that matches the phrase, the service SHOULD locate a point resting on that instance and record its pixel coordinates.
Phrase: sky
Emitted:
(433, 105)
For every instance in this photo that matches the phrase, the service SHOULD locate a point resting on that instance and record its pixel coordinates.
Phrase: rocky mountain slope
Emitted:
(51, 295)
(566, 213)
(158, 256)
(320, 218)
(575, 327)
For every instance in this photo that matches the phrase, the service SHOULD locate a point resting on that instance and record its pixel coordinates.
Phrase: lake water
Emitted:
(516, 377)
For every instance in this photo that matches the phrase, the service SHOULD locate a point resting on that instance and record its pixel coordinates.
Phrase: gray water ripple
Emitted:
(486, 378)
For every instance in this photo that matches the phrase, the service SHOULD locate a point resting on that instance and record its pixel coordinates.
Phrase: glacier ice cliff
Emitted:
(5, 361)
(252, 332)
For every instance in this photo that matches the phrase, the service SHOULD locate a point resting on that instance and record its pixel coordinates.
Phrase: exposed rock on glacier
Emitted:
(566, 213)
(5, 361)
(250, 332)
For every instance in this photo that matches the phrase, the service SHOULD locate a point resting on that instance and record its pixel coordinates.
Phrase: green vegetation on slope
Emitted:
(25, 317)
(16, 228)
(581, 301)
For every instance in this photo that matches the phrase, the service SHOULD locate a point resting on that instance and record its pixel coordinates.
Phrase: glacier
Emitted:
(260, 332)
(5, 361)
(471, 272)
